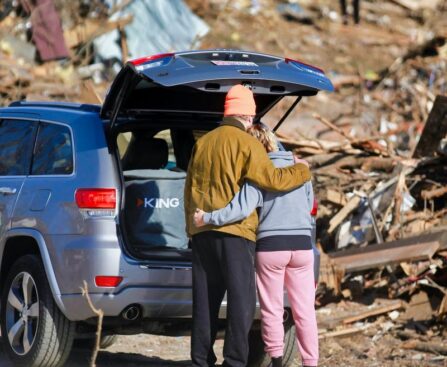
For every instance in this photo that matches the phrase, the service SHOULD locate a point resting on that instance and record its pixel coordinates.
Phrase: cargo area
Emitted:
(153, 165)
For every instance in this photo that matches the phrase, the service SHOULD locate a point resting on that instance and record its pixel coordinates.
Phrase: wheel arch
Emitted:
(25, 241)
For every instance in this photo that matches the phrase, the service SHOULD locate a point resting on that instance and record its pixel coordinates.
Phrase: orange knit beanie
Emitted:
(240, 101)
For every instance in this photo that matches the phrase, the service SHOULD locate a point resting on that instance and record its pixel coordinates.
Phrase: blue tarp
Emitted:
(158, 26)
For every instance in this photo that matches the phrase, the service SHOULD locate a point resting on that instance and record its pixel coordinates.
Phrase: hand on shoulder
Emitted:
(299, 160)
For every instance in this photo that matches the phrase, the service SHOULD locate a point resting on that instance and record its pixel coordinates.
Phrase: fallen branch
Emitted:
(332, 126)
(100, 314)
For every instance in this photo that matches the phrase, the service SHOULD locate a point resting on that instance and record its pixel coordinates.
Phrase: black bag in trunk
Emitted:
(154, 211)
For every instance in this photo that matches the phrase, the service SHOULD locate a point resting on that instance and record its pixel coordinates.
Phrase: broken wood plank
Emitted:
(319, 160)
(375, 256)
(338, 218)
(344, 332)
(373, 312)
(430, 347)
(335, 197)
(435, 130)
(415, 5)
(85, 32)
(379, 164)
(332, 126)
(350, 206)
(431, 194)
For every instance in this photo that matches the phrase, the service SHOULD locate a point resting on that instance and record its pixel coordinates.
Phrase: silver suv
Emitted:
(95, 194)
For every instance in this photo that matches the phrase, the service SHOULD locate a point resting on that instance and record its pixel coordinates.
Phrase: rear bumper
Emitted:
(153, 303)
(160, 289)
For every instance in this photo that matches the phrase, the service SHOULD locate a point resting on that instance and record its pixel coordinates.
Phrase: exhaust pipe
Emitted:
(131, 313)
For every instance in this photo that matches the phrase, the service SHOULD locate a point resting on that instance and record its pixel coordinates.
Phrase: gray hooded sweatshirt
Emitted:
(280, 213)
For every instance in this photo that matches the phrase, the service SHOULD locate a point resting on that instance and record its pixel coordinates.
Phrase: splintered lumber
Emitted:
(335, 197)
(319, 160)
(431, 194)
(339, 81)
(331, 126)
(374, 312)
(435, 130)
(379, 164)
(394, 252)
(415, 5)
(430, 347)
(343, 332)
(338, 218)
(90, 29)
(350, 206)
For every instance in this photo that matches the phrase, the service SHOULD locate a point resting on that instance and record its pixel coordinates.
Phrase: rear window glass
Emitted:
(16, 144)
(54, 151)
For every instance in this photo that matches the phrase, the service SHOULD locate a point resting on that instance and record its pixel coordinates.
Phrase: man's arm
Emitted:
(240, 207)
(260, 170)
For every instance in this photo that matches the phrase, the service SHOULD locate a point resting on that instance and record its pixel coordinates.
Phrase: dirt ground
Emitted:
(150, 350)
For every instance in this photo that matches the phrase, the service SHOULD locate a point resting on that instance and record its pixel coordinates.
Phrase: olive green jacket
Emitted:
(220, 163)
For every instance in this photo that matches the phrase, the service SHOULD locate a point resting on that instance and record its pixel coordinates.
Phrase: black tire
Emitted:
(258, 358)
(107, 341)
(51, 332)
(89, 343)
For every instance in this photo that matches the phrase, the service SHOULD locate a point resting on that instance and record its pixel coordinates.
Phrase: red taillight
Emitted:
(314, 210)
(96, 198)
(107, 281)
(142, 60)
(304, 64)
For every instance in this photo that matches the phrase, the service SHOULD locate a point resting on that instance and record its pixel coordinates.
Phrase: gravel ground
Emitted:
(149, 350)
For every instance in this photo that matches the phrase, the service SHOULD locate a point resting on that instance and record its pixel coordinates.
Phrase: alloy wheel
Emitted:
(22, 313)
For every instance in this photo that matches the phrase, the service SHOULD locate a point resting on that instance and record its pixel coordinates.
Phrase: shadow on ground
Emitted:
(80, 357)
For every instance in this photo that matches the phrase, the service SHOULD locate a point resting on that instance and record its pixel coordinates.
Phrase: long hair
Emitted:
(265, 136)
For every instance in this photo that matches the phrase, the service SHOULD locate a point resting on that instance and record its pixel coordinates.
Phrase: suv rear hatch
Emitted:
(185, 92)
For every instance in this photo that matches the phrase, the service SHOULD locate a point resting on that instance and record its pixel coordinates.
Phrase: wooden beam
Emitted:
(380, 255)
(435, 130)
(374, 312)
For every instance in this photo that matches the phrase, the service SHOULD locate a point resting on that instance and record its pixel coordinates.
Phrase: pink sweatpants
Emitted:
(294, 269)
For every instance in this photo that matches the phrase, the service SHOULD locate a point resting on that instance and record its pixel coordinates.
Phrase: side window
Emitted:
(16, 144)
(53, 154)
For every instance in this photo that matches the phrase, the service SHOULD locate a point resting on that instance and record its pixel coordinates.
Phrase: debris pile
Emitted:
(71, 51)
(377, 147)
(382, 219)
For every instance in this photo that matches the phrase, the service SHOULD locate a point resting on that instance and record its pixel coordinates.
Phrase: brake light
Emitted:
(96, 198)
(143, 60)
(108, 281)
(291, 61)
(314, 210)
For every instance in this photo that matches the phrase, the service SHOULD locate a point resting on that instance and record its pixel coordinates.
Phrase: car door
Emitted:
(16, 145)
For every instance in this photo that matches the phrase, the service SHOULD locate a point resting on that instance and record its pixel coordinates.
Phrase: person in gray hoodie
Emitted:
(284, 255)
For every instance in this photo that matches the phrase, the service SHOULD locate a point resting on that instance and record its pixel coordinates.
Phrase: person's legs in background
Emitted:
(343, 11)
(300, 286)
(356, 5)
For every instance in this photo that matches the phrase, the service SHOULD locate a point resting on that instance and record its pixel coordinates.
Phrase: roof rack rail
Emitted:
(68, 105)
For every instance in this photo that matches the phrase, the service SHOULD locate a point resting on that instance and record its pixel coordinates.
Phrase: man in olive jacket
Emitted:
(223, 257)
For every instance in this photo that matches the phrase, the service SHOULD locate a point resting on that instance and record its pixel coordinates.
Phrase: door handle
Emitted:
(8, 190)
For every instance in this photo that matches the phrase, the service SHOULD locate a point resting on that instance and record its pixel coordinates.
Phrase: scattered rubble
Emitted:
(377, 147)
